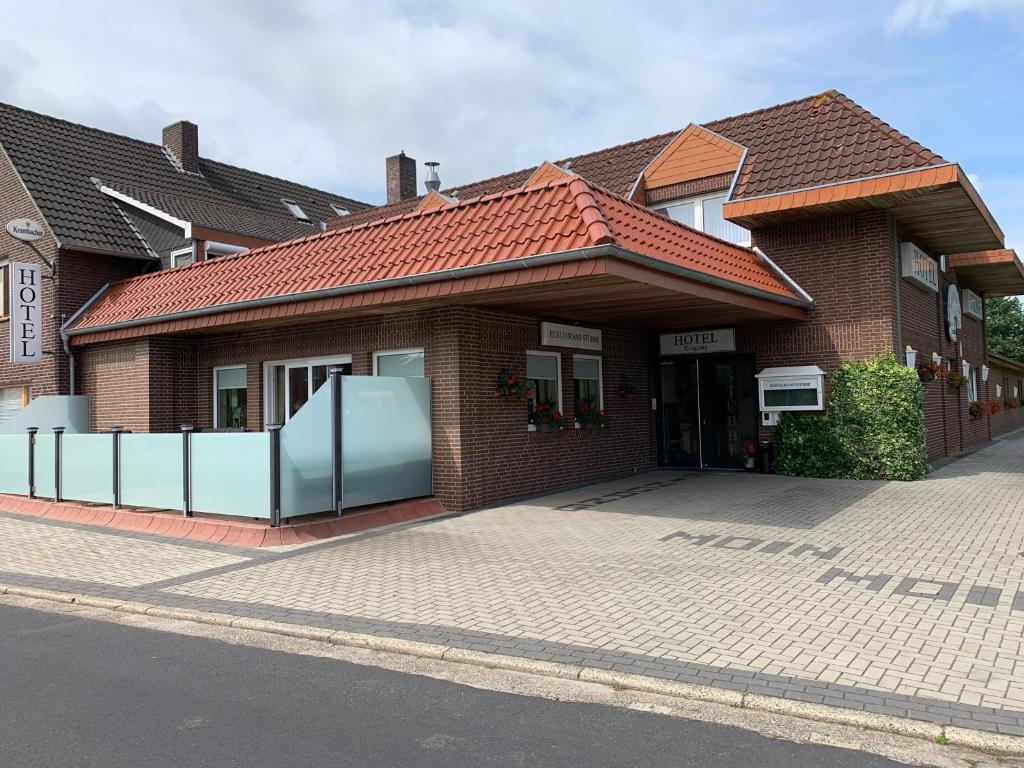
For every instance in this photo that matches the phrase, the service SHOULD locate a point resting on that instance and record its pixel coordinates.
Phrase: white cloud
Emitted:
(935, 15)
(323, 90)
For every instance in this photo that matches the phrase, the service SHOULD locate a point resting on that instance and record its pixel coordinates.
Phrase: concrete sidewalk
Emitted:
(893, 598)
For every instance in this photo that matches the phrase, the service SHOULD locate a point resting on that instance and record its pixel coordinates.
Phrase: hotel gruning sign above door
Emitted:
(558, 335)
(698, 342)
(26, 313)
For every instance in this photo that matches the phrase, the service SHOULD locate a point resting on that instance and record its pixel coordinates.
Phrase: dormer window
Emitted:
(295, 210)
(705, 213)
(341, 210)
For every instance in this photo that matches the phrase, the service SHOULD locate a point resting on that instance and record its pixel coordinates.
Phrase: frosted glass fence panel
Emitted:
(231, 473)
(385, 439)
(14, 464)
(44, 466)
(87, 468)
(151, 473)
(306, 457)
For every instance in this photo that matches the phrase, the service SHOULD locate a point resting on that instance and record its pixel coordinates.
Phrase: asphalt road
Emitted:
(89, 694)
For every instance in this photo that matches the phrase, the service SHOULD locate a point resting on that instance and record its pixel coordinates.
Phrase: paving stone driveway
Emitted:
(902, 598)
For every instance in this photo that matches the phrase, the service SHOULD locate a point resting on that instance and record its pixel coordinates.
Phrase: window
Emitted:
(295, 210)
(705, 214)
(339, 209)
(544, 378)
(183, 256)
(289, 384)
(230, 395)
(972, 385)
(12, 400)
(586, 381)
(4, 298)
(398, 362)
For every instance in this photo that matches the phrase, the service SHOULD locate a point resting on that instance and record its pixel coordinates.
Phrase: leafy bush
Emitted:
(873, 430)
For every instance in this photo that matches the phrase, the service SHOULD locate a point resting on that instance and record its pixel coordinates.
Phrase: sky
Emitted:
(322, 91)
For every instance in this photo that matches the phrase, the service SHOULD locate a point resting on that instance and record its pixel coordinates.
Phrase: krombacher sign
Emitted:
(698, 342)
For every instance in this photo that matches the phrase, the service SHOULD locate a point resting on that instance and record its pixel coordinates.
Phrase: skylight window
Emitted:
(295, 210)
(341, 210)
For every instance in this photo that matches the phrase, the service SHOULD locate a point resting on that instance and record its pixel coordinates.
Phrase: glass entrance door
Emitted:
(679, 422)
(727, 405)
(707, 412)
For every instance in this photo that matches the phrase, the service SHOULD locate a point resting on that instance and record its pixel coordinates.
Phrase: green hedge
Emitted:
(873, 430)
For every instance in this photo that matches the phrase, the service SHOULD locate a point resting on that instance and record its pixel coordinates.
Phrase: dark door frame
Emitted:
(701, 404)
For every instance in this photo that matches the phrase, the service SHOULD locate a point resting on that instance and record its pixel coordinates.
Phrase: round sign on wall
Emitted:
(25, 230)
(954, 316)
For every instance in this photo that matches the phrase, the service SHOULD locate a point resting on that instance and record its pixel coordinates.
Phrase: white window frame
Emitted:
(972, 383)
(698, 210)
(558, 380)
(297, 362)
(340, 209)
(600, 375)
(295, 209)
(409, 351)
(190, 250)
(216, 396)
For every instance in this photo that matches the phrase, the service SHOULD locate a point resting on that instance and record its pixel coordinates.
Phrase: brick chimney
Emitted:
(182, 141)
(401, 176)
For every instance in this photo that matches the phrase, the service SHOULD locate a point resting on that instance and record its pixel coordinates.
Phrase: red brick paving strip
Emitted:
(232, 533)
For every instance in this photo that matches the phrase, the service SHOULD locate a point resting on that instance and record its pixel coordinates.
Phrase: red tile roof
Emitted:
(563, 215)
(815, 140)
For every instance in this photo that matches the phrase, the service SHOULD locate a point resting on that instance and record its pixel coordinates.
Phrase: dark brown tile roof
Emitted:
(614, 169)
(816, 140)
(58, 161)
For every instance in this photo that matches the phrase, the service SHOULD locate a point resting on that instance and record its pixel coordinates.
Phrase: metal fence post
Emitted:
(275, 475)
(337, 453)
(32, 461)
(58, 434)
(116, 433)
(186, 469)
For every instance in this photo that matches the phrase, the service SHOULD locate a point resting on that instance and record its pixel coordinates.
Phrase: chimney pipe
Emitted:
(182, 140)
(433, 181)
(401, 177)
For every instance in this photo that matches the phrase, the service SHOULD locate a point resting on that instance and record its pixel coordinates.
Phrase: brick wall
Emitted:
(846, 264)
(1008, 376)
(950, 428)
(79, 277)
(116, 377)
(483, 451)
(41, 378)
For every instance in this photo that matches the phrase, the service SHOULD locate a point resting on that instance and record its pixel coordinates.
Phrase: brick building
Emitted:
(692, 285)
(112, 207)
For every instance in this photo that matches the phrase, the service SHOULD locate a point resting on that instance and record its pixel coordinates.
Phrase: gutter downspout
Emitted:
(71, 361)
(65, 337)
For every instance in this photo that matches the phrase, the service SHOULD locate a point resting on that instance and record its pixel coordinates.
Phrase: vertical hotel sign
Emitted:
(26, 313)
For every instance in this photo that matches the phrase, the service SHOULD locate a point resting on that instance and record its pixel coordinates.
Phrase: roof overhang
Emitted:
(602, 284)
(189, 230)
(936, 206)
(995, 272)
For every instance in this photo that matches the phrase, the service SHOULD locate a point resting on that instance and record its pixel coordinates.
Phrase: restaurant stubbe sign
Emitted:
(698, 342)
(573, 336)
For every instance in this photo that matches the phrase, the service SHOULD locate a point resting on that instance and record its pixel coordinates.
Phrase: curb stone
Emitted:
(984, 741)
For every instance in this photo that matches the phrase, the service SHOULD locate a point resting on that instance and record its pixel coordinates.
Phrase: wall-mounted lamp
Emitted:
(984, 373)
(999, 391)
(911, 357)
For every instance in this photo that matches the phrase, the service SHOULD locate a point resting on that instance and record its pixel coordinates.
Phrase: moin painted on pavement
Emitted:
(911, 586)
